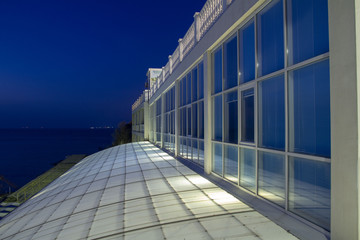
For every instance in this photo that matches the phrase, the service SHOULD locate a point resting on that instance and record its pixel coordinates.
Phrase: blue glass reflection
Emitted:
(194, 84)
(231, 117)
(310, 190)
(231, 163)
(217, 158)
(308, 29)
(230, 64)
(271, 38)
(217, 116)
(201, 80)
(247, 169)
(217, 84)
(194, 123)
(247, 52)
(188, 88)
(309, 120)
(247, 115)
(272, 113)
(201, 119)
(272, 177)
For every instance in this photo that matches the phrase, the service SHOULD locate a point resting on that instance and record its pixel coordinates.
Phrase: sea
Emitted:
(27, 153)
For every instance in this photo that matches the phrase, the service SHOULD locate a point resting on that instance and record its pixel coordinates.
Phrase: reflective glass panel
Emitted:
(309, 109)
(201, 80)
(230, 63)
(217, 116)
(270, 32)
(247, 115)
(217, 84)
(194, 84)
(272, 113)
(247, 53)
(217, 158)
(247, 169)
(231, 163)
(194, 121)
(231, 117)
(308, 29)
(189, 121)
(188, 88)
(309, 190)
(201, 119)
(271, 183)
(201, 153)
(195, 156)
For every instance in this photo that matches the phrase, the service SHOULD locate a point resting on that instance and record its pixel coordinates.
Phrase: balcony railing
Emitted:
(202, 23)
(144, 97)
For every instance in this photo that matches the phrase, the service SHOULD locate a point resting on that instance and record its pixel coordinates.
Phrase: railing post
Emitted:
(197, 26)
(181, 49)
(170, 64)
(163, 74)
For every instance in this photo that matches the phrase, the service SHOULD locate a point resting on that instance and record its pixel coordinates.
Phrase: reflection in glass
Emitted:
(308, 29)
(194, 121)
(247, 169)
(272, 177)
(247, 52)
(201, 153)
(195, 156)
(217, 158)
(201, 119)
(231, 117)
(217, 84)
(201, 80)
(217, 116)
(309, 109)
(272, 113)
(230, 64)
(270, 32)
(247, 115)
(309, 190)
(194, 84)
(188, 88)
(231, 163)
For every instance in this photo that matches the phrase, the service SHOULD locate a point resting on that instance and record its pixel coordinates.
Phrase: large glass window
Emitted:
(247, 52)
(217, 116)
(272, 177)
(247, 115)
(231, 163)
(247, 169)
(231, 117)
(270, 31)
(217, 83)
(309, 190)
(309, 109)
(272, 113)
(217, 158)
(308, 29)
(230, 63)
(189, 121)
(201, 80)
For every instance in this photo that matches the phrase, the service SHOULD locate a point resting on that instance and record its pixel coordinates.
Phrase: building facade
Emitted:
(264, 95)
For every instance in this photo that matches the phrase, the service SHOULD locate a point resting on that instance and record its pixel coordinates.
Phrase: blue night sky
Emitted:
(71, 64)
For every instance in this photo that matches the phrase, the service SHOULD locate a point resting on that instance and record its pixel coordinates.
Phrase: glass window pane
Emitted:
(183, 84)
(183, 120)
(247, 115)
(195, 121)
(247, 52)
(309, 190)
(217, 158)
(309, 109)
(201, 80)
(201, 153)
(270, 38)
(272, 113)
(217, 84)
(189, 150)
(308, 29)
(195, 156)
(231, 117)
(272, 177)
(194, 84)
(201, 119)
(188, 88)
(231, 163)
(247, 169)
(230, 64)
(217, 116)
(189, 121)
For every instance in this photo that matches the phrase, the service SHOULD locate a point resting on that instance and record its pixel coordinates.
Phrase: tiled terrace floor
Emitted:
(135, 191)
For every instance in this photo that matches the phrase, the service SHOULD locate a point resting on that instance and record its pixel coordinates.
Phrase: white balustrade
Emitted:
(189, 40)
